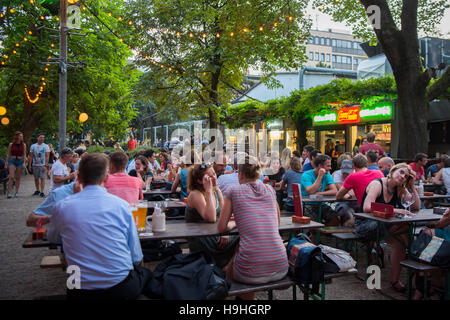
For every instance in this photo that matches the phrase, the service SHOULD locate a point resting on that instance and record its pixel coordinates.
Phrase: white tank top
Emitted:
(446, 178)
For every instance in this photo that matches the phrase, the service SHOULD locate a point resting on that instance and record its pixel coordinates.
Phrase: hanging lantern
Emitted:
(83, 117)
(2, 111)
(5, 121)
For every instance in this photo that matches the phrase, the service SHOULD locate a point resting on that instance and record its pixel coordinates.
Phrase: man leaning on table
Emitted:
(99, 237)
(44, 210)
(319, 182)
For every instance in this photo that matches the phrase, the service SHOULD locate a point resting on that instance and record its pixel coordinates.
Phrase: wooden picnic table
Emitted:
(423, 215)
(170, 204)
(326, 199)
(182, 230)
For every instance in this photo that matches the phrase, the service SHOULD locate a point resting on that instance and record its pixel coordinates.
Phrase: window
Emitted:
(322, 41)
(349, 44)
(328, 57)
(311, 55)
(334, 58)
(317, 56)
(338, 43)
(355, 61)
(316, 40)
(327, 41)
(310, 40)
(333, 42)
(338, 59)
(355, 45)
(322, 57)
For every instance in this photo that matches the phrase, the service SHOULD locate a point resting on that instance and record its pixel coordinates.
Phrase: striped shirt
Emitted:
(261, 250)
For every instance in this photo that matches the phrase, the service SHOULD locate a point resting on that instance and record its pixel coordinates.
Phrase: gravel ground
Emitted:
(22, 278)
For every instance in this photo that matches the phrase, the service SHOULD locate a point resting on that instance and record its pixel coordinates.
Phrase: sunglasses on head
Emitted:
(205, 165)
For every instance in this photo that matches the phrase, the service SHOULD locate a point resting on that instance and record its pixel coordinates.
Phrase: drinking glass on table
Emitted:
(407, 199)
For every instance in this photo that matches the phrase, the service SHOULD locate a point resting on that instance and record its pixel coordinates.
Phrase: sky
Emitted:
(324, 22)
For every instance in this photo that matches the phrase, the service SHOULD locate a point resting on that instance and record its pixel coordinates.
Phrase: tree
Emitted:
(397, 32)
(197, 51)
(100, 87)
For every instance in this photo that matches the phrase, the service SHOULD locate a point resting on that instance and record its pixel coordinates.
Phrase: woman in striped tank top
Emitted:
(261, 256)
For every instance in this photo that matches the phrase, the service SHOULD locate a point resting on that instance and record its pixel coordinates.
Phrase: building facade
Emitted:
(335, 50)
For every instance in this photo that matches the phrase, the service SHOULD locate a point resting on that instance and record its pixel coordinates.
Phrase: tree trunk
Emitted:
(301, 134)
(412, 110)
(29, 123)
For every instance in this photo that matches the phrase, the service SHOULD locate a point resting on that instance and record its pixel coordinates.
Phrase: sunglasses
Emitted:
(205, 165)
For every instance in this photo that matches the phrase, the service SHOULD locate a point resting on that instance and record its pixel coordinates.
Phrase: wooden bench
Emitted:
(417, 266)
(53, 262)
(238, 288)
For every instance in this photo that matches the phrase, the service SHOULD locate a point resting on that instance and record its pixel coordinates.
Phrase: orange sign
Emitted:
(348, 115)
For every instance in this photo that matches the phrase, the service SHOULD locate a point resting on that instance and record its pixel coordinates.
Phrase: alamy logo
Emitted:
(73, 17)
(374, 16)
(374, 280)
(74, 280)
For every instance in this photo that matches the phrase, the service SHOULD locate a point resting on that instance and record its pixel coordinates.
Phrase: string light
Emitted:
(5, 121)
(2, 111)
(83, 117)
(36, 98)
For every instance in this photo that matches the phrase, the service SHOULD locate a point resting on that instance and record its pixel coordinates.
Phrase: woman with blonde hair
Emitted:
(15, 162)
(390, 190)
(261, 256)
(285, 159)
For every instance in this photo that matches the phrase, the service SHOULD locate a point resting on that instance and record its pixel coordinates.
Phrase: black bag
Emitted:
(154, 250)
(193, 276)
(306, 262)
(432, 250)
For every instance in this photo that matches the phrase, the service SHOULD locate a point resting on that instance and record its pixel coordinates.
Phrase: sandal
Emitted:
(398, 286)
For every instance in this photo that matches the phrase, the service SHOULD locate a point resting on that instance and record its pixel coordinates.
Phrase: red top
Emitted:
(358, 181)
(17, 150)
(420, 174)
(371, 146)
(132, 144)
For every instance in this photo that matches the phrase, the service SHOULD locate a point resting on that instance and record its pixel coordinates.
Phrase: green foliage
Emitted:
(102, 89)
(206, 70)
(302, 104)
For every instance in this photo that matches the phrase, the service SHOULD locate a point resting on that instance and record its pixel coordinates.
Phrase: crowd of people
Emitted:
(91, 196)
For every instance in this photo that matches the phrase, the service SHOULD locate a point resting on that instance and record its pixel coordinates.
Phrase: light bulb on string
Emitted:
(83, 117)
(5, 121)
(2, 111)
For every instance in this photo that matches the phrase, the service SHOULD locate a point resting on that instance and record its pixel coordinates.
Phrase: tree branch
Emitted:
(439, 87)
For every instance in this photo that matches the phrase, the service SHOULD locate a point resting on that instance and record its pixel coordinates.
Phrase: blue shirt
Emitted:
(46, 207)
(308, 179)
(307, 167)
(373, 167)
(184, 182)
(99, 236)
(289, 178)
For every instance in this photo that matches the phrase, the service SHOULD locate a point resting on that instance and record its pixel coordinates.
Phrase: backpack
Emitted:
(193, 276)
(337, 260)
(432, 250)
(154, 250)
(306, 262)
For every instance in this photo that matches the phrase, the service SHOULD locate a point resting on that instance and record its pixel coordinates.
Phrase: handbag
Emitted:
(337, 260)
(432, 250)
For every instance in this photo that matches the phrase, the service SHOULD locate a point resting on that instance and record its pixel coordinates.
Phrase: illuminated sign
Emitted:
(348, 115)
(325, 118)
(355, 114)
(378, 112)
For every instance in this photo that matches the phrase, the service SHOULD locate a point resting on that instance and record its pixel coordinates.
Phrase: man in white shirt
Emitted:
(59, 173)
(39, 155)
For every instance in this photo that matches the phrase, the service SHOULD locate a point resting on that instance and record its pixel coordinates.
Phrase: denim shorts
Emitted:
(13, 162)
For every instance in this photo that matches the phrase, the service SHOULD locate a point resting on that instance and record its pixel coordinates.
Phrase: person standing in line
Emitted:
(371, 145)
(132, 143)
(38, 160)
(15, 162)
